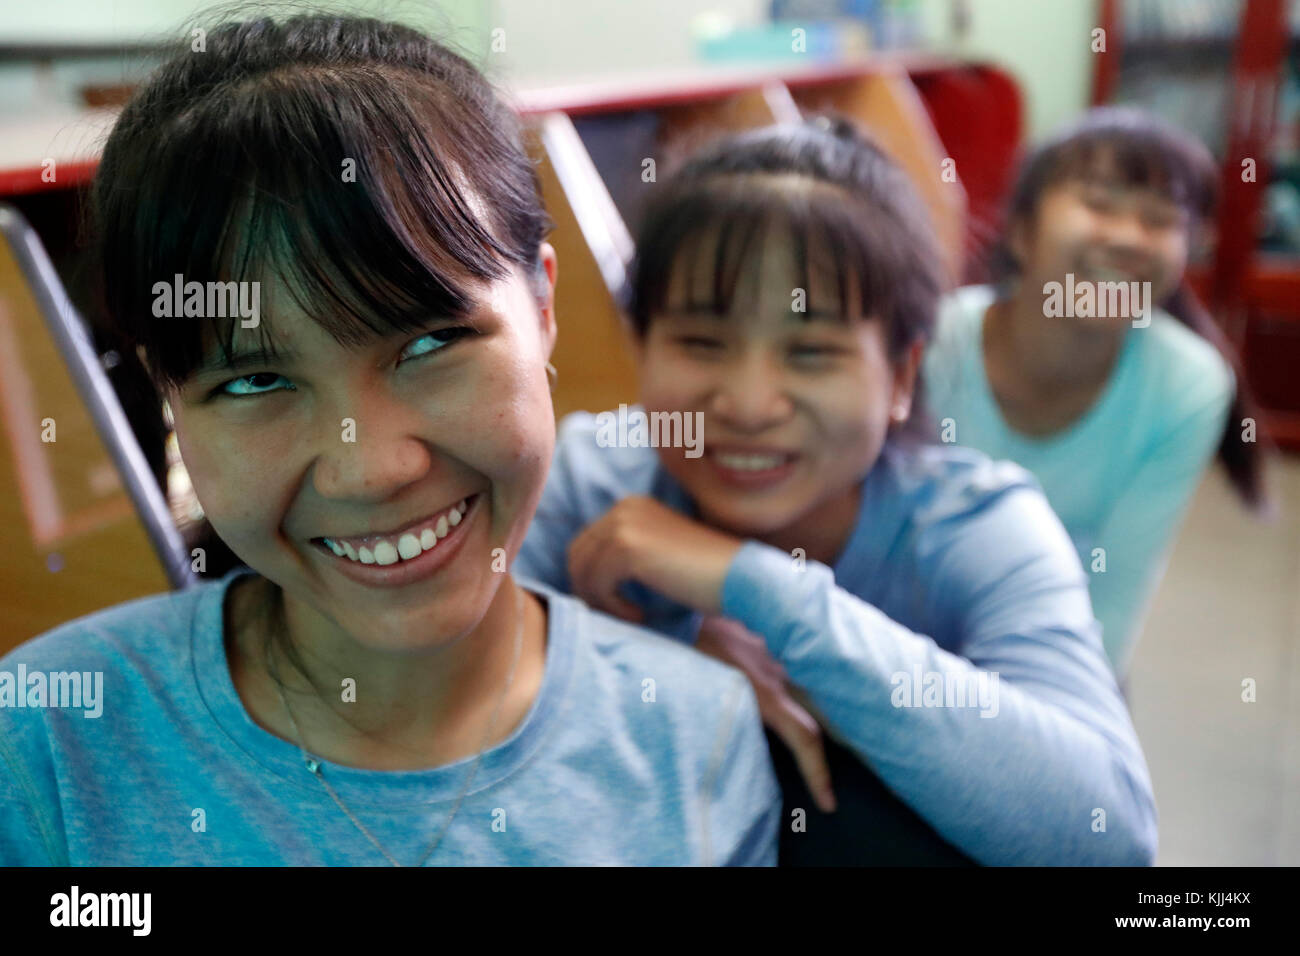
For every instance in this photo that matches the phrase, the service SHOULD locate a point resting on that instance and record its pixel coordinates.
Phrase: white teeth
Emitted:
(408, 546)
(750, 462)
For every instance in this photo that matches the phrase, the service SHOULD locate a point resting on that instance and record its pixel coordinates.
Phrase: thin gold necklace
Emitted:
(313, 764)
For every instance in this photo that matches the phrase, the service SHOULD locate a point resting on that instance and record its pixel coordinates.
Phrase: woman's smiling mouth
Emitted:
(404, 555)
(751, 468)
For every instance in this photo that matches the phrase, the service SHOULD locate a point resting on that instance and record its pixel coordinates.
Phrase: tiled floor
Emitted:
(1226, 773)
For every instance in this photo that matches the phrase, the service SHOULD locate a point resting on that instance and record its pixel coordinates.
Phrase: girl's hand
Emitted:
(641, 540)
(733, 644)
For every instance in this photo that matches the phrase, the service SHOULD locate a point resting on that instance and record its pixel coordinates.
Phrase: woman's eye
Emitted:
(256, 384)
(433, 341)
(1101, 199)
(699, 342)
(813, 351)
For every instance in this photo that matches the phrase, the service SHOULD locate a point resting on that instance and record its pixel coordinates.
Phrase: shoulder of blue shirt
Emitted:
(144, 650)
(151, 638)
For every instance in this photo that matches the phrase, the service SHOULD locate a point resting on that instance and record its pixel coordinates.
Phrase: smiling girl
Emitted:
(374, 688)
(919, 604)
(1116, 417)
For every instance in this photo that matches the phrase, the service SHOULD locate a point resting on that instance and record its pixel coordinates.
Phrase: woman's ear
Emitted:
(905, 375)
(548, 269)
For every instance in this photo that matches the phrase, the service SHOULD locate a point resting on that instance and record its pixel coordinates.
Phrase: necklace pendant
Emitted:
(313, 766)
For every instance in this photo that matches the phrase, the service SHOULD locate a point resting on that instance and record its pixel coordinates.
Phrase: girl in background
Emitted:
(919, 603)
(373, 688)
(1116, 418)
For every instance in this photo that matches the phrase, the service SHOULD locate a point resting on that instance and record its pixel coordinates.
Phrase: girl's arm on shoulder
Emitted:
(1042, 766)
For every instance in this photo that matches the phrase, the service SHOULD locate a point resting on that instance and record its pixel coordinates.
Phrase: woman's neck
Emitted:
(822, 534)
(410, 711)
(1045, 373)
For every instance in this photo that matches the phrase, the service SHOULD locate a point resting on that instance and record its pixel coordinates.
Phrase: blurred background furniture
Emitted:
(86, 522)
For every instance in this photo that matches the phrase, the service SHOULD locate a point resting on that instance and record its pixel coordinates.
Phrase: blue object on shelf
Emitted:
(822, 42)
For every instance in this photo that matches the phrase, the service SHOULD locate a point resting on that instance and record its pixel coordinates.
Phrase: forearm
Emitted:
(1020, 786)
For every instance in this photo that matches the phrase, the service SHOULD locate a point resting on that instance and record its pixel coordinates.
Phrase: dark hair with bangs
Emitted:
(1113, 143)
(863, 223)
(1145, 152)
(229, 165)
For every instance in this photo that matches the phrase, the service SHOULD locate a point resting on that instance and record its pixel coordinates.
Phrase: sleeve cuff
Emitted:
(766, 588)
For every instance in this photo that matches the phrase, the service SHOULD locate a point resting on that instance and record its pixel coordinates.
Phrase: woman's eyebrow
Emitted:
(234, 361)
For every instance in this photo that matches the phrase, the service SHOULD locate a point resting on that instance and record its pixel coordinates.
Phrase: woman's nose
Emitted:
(369, 456)
(751, 395)
(1126, 230)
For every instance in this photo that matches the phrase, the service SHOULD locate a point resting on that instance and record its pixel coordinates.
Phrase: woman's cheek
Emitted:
(231, 480)
(855, 402)
(516, 399)
(514, 451)
(858, 430)
(673, 385)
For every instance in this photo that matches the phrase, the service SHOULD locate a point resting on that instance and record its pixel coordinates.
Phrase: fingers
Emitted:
(801, 733)
(596, 569)
(732, 643)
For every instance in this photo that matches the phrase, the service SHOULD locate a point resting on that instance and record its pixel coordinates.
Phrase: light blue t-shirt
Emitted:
(1121, 477)
(956, 567)
(175, 772)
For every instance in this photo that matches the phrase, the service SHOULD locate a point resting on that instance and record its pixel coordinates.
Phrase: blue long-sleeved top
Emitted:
(956, 565)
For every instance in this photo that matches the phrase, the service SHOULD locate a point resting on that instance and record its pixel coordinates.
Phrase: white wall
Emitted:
(564, 39)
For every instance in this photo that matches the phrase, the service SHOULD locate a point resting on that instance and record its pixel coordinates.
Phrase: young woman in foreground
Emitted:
(1116, 416)
(921, 603)
(376, 689)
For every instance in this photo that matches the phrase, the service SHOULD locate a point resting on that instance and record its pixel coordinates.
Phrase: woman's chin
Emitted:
(745, 520)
